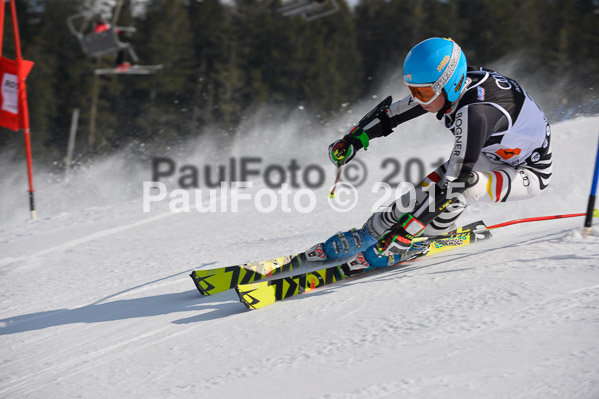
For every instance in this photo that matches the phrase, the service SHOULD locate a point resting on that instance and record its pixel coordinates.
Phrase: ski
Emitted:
(213, 281)
(263, 293)
(132, 70)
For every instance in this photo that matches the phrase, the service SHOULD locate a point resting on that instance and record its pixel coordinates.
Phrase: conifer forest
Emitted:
(222, 61)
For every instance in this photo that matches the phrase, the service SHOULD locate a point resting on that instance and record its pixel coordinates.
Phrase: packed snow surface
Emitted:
(97, 302)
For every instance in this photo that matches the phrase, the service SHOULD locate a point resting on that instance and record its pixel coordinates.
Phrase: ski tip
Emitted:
(255, 295)
(246, 298)
(197, 280)
(197, 284)
(242, 298)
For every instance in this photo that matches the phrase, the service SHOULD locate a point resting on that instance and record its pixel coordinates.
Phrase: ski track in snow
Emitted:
(97, 303)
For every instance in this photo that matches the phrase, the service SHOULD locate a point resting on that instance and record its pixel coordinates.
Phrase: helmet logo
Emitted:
(451, 67)
(409, 77)
(459, 85)
(444, 62)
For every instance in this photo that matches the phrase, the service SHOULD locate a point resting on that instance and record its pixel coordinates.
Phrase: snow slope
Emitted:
(97, 302)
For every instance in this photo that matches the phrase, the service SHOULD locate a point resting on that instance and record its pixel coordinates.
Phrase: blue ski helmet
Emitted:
(433, 66)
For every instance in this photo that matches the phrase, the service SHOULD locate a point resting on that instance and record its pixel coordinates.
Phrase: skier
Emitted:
(501, 153)
(101, 25)
(121, 64)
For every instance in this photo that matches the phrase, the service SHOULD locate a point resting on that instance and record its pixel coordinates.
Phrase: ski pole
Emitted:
(332, 192)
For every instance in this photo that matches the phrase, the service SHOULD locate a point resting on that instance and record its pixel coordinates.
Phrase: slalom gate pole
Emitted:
(591, 211)
(22, 98)
(332, 193)
(517, 221)
(534, 219)
(30, 173)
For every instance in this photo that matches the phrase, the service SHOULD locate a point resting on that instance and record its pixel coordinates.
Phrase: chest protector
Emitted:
(526, 137)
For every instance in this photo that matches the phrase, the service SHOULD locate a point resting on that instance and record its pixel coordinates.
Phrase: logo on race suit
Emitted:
(507, 153)
(444, 62)
(480, 93)
(458, 145)
(547, 137)
(504, 83)
(535, 157)
(492, 156)
(525, 179)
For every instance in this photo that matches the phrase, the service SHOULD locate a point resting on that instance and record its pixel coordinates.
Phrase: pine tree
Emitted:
(59, 80)
(164, 99)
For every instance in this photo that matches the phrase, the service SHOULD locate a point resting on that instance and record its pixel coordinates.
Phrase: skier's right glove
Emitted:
(342, 151)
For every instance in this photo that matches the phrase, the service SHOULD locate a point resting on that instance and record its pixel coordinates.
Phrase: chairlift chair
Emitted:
(309, 10)
(98, 44)
(105, 43)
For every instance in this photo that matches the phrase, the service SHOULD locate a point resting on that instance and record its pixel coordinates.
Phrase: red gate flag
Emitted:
(13, 95)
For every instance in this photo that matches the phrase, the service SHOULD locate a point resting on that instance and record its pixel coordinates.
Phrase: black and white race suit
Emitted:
(501, 152)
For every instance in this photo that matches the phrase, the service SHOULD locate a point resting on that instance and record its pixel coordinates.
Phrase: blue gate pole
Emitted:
(588, 221)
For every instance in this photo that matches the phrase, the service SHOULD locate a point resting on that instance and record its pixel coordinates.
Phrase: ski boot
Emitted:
(342, 246)
(371, 259)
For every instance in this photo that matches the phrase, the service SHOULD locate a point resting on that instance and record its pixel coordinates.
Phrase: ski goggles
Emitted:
(423, 94)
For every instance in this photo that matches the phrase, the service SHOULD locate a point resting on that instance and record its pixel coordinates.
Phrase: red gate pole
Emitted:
(23, 106)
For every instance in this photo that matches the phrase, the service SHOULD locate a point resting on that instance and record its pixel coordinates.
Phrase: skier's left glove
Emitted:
(398, 239)
(342, 151)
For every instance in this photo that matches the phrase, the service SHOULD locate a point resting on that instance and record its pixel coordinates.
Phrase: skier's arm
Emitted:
(398, 113)
(382, 124)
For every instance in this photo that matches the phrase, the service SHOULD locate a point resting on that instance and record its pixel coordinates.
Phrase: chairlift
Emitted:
(132, 70)
(98, 44)
(105, 43)
(309, 10)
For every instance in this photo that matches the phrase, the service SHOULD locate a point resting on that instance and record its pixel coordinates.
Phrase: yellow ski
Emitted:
(260, 294)
(213, 281)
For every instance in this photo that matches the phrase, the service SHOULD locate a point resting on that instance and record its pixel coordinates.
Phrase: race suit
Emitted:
(501, 152)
